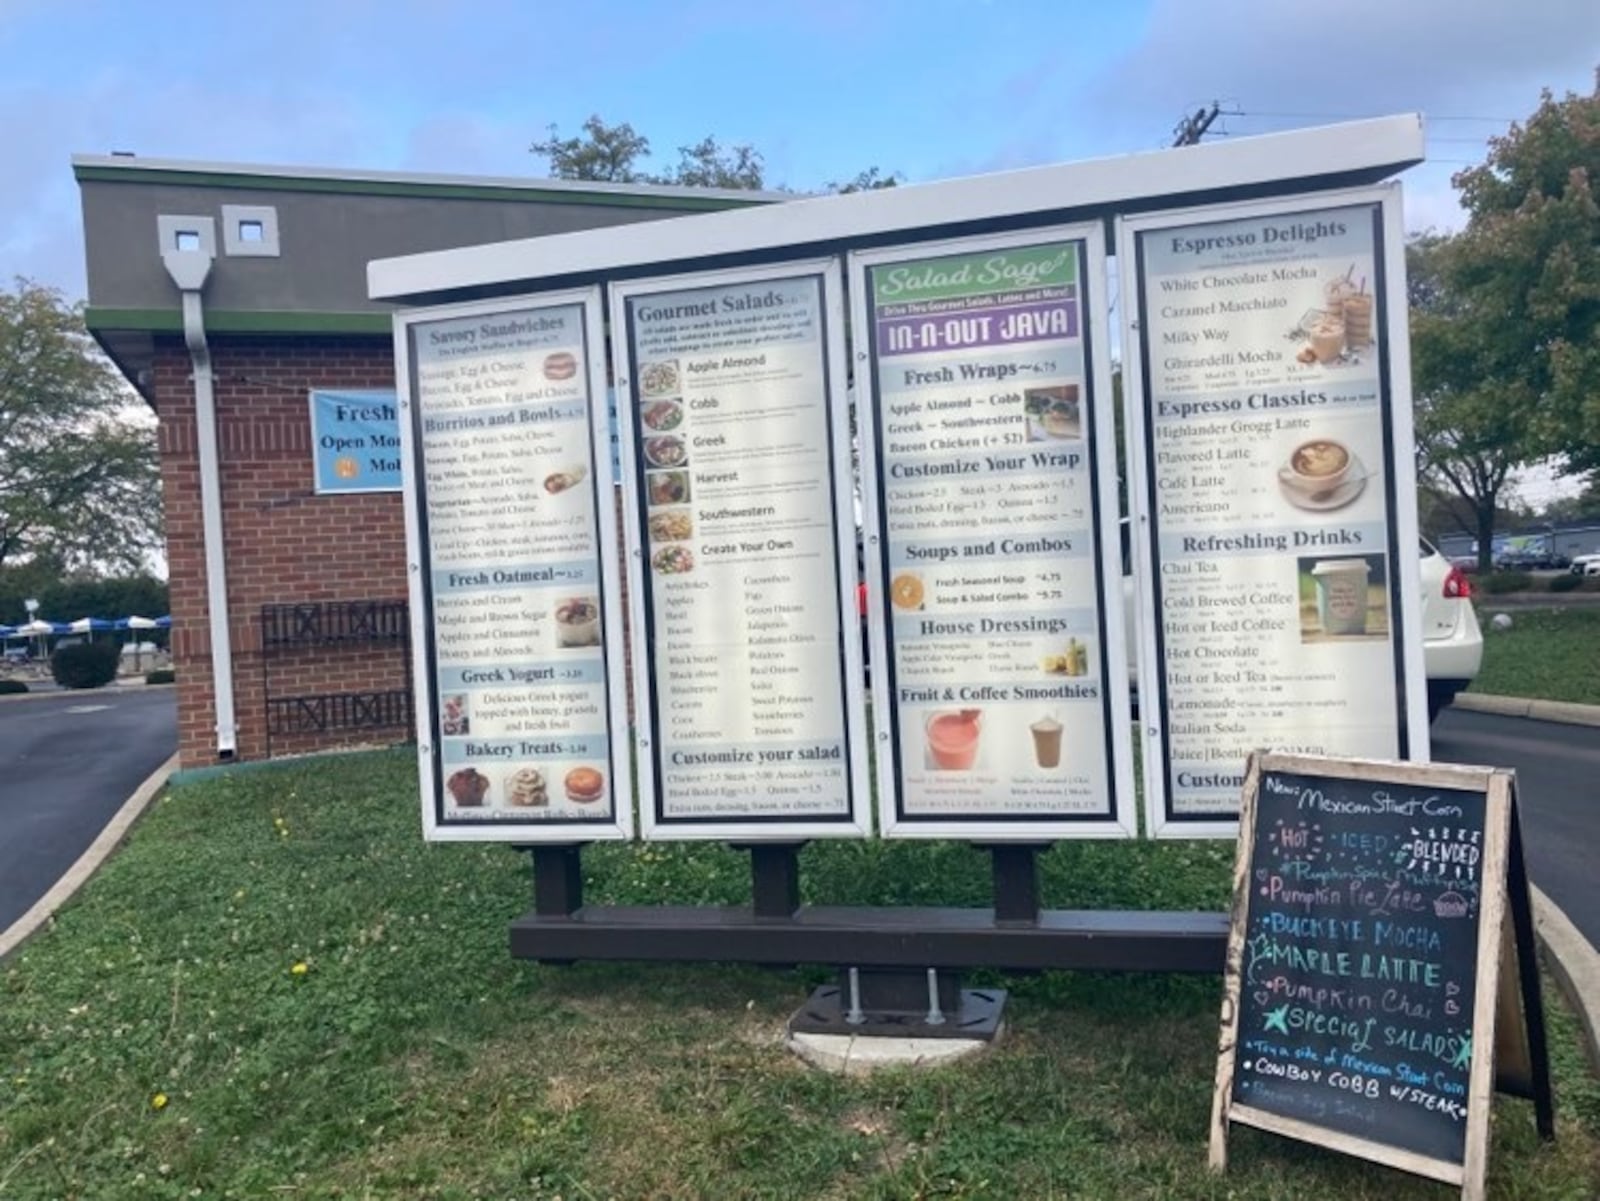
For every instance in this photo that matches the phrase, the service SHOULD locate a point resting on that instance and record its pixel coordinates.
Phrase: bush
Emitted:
(1566, 583)
(1497, 582)
(85, 664)
(164, 676)
(11, 686)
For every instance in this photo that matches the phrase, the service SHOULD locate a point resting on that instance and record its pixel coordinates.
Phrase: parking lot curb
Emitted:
(1575, 964)
(88, 863)
(1566, 712)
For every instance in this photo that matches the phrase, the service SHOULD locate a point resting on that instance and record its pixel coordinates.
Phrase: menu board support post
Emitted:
(774, 877)
(901, 1002)
(557, 878)
(1016, 881)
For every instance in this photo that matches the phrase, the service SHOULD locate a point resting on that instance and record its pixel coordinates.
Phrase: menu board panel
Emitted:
(736, 457)
(1002, 699)
(513, 576)
(1274, 569)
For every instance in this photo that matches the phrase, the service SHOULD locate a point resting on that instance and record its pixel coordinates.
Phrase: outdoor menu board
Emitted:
(513, 588)
(988, 469)
(1364, 958)
(1277, 531)
(736, 465)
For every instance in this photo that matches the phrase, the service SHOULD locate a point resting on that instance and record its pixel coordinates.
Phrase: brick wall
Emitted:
(284, 543)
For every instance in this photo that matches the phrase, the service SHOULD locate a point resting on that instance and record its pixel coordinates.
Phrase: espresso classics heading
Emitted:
(490, 330)
(1269, 235)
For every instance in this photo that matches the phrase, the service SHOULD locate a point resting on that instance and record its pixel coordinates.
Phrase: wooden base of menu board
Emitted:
(1508, 1017)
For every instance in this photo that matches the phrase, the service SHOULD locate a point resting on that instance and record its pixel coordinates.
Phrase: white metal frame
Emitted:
(1123, 822)
(1401, 468)
(376, 394)
(859, 821)
(622, 790)
(1384, 144)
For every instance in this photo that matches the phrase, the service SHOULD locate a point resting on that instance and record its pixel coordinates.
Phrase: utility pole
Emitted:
(1191, 129)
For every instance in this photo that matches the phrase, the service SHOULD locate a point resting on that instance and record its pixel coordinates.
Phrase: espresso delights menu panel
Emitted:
(737, 464)
(1265, 442)
(513, 580)
(1359, 976)
(987, 466)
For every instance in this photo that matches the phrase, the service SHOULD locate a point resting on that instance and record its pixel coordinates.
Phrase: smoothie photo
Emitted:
(953, 739)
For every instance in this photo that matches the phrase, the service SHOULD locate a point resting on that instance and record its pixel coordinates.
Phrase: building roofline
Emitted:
(130, 169)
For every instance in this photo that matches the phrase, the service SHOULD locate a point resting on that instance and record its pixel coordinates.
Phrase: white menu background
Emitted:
(502, 438)
(738, 579)
(1265, 465)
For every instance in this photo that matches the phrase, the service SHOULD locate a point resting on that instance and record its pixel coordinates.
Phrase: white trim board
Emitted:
(1283, 163)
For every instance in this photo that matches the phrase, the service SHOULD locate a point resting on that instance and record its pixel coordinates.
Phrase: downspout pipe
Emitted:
(189, 270)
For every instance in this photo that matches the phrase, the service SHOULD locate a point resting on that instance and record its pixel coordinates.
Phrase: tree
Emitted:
(78, 477)
(1476, 414)
(616, 153)
(1530, 255)
(708, 165)
(607, 153)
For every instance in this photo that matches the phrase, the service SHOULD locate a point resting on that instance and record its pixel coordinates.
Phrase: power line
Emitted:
(1361, 116)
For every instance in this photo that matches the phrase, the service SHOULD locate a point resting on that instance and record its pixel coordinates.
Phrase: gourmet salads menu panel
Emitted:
(1266, 445)
(738, 583)
(998, 689)
(513, 568)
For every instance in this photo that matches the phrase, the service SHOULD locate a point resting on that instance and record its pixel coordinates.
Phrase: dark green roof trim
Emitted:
(170, 321)
(383, 187)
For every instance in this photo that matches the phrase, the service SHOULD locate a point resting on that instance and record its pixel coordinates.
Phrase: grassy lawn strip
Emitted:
(277, 989)
(1549, 653)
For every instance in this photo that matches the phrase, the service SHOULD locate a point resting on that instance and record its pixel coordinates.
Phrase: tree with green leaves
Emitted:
(1530, 258)
(1505, 317)
(617, 153)
(79, 485)
(1475, 420)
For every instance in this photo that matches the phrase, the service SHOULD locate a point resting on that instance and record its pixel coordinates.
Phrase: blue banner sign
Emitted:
(355, 441)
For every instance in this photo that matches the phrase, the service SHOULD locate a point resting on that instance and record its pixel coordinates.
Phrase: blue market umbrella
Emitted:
(163, 623)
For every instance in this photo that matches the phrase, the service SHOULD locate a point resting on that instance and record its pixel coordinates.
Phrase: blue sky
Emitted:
(822, 87)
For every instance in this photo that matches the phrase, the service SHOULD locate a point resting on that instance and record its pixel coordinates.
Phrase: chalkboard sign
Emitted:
(1364, 958)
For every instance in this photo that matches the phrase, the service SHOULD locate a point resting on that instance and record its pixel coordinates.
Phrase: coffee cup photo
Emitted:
(1318, 465)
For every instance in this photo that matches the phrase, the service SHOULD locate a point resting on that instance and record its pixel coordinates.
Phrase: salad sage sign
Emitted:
(1364, 960)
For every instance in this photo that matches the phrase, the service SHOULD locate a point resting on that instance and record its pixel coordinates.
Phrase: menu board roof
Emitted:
(1344, 154)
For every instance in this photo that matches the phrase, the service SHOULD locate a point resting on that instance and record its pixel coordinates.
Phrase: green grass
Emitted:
(1549, 653)
(413, 1057)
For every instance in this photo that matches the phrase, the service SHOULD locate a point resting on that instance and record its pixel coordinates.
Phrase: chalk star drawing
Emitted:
(1277, 1019)
(1463, 1059)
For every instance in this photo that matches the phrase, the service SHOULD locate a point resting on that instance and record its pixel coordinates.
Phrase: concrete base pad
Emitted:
(860, 1055)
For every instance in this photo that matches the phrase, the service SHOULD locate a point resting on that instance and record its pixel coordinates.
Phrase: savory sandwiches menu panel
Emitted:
(1265, 440)
(997, 700)
(735, 460)
(513, 579)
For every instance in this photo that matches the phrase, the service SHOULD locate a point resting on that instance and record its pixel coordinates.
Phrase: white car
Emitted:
(1452, 643)
(1586, 564)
